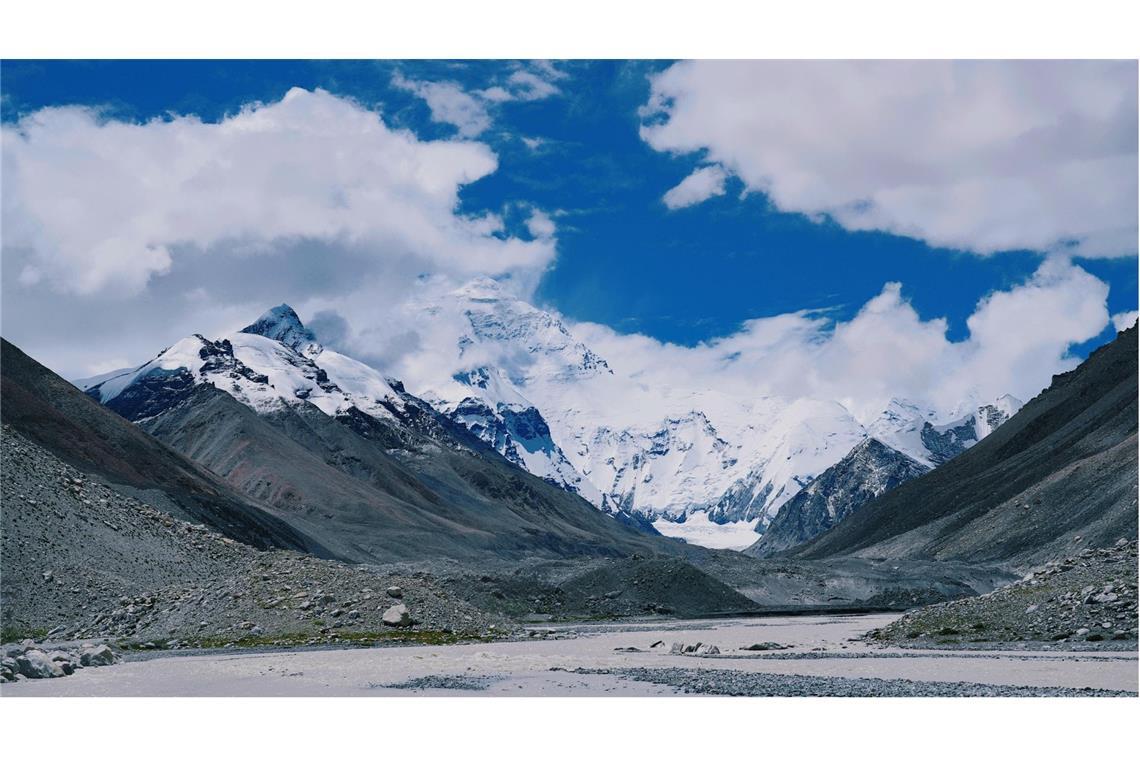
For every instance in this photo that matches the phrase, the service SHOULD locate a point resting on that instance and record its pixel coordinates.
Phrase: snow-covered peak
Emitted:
(932, 439)
(283, 325)
(530, 344)
(480, 290)
(266, 372)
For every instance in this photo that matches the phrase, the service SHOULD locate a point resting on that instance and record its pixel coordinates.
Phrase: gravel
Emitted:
(457, 683)
(739, 684)
(1089, 598)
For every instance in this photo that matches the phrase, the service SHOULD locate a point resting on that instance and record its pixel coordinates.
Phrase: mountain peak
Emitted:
(481, 289)
(283, 325)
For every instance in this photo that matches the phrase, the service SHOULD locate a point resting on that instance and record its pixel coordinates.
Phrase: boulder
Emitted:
(397, 615)
(35, 664)
(395, 592)
(97, 656)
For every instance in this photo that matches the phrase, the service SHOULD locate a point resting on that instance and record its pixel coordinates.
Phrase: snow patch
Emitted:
(700, 530)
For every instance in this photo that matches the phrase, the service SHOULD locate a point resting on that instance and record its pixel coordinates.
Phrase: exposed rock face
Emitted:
(870, 470)
(283, 325)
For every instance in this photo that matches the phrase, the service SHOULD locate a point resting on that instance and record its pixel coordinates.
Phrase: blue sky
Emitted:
(623, 258)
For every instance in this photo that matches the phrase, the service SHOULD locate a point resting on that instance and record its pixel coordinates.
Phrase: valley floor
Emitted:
(823, 659)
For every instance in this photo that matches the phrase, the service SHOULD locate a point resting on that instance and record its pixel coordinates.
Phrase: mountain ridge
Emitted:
(1061, 472)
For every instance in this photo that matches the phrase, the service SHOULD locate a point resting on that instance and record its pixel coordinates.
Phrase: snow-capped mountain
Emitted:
(256, 367)
(702, 465)
(870, 469)
(661, 453)
(916, 432)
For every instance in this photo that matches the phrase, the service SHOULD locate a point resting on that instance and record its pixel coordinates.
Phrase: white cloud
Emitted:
(468, 112)
(540, 225)
(1017, 340)
(449, 104)
(528, 85)
(119, 238)
(532, 81)
(981, 156)
(702, 184)
(102, 204)
(1124, 320)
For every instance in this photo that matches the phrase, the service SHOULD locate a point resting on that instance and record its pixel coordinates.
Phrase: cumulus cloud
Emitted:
(975, 155)
(702, 184)
(540, 225)
(1018, 338)
(148, 231)
(1124, 320)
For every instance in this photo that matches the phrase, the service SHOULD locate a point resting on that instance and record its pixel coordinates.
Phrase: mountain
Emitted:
(349, 456)
(914, 431)
(702, 465)
(1059, 475)
(52, 413)
(870, 469)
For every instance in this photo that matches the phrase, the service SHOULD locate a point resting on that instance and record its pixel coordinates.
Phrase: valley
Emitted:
(268, 498)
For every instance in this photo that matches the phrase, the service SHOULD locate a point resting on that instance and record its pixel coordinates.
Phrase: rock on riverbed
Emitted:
(28, 660)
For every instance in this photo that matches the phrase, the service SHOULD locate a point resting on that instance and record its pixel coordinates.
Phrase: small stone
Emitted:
(395, 592)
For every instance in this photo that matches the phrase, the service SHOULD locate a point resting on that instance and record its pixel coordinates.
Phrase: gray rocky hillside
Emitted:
(1087, 597)
(82, 560)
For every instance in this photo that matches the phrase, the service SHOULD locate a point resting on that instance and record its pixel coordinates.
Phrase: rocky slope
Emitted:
(48, 410)
(1087, 597)
(83, 560)
(869, 470)
(1061, 474)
